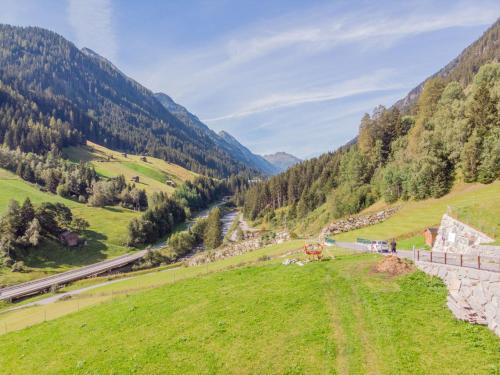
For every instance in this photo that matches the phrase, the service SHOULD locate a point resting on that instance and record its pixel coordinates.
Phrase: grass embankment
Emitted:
(480, 202)
(335, 316)
(151, 279)
(152, 173)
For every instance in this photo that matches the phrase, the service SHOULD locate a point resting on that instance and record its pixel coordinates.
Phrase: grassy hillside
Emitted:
(476, 204)
(335, 316)
(481, 202)
(152, 173)
(106, 235)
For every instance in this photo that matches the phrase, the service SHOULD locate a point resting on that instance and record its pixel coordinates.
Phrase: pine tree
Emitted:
(213, 233)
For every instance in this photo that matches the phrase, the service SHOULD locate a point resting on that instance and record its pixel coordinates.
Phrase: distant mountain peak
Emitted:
(282, 160)
(223, 140)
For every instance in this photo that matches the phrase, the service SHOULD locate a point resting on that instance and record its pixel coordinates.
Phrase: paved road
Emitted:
(406, 254)
(35, 286)
(57, 297)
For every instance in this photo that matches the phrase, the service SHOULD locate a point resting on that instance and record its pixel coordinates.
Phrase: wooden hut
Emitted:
(70, 239)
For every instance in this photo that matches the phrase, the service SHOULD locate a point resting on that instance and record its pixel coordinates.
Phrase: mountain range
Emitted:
(86, 92)
(223, 140)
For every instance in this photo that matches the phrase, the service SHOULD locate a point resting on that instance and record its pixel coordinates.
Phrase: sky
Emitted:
(279, 75)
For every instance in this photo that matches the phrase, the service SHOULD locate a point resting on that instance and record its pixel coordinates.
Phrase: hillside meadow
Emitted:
(153, 172)
(106, 235)
(336, 316)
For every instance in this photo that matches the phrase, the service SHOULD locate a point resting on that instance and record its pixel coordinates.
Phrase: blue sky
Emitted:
(280, 75)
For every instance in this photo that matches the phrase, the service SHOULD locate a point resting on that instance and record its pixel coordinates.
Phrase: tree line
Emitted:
(206, 231)
(77, 181)
(454, 134)
(166, 212)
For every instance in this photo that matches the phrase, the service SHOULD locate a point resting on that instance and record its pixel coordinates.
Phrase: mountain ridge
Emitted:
(89, 93)
(223, 139)
(463, 67)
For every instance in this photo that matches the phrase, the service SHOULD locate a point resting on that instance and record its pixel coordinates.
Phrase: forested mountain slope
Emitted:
(50, 86)
(223, 140)
(463, 68)
(453, 135)
(247, 156)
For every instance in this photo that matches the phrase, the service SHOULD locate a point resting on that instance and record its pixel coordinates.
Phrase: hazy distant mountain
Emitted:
(282, 160)
(87, 92)
(223, 140)
(250, 158)
(464, 66)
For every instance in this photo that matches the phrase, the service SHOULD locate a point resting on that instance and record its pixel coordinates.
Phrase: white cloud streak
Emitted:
(361, 85)
(92, 22)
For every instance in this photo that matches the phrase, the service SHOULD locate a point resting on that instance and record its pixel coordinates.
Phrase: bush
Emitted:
(18, 267)
(181, 243)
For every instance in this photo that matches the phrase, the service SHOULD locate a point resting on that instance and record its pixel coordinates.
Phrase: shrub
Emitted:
(18, 267)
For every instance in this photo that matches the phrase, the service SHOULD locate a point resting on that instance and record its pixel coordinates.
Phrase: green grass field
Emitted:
(336, 316)
(106, 235)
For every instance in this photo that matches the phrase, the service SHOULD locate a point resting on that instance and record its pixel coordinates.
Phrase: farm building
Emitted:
(70, 239)
(135, 179)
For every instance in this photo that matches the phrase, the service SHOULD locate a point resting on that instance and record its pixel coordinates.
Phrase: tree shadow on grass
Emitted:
(52, 254)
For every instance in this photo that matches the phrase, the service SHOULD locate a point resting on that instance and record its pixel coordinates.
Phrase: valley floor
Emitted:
(248, 314)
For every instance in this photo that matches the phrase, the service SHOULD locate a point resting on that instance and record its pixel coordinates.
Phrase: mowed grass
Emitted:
(413, 217)
(336, 316)
(134, 283)
(152, 173)
(106, 235)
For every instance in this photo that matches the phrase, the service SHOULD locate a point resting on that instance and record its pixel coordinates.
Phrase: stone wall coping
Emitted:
(468, 227)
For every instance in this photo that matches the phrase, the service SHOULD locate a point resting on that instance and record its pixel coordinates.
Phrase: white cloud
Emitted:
(190, 75)
(92, 22)
(361, 85)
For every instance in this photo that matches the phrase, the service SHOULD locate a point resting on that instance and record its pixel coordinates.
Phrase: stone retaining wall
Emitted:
(456, 237)
(236, 248)
(474, 295)
(356, 222)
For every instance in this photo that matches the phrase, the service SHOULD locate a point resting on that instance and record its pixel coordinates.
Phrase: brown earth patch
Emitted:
(393, 266)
